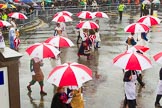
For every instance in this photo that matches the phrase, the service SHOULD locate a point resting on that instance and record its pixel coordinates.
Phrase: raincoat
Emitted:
(77, 100)
(12, 35)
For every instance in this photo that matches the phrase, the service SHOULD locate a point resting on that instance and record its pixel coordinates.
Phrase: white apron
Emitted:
(130, 88)
(159, 87)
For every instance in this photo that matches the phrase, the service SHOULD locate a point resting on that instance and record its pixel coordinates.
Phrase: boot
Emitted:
(43, 93)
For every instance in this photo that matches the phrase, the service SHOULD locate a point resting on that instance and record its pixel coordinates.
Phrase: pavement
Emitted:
(106, 90)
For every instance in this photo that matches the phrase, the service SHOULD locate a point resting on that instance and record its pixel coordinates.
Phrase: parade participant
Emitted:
(77, 100)
(129, 79)
(120, 10)
(159, 90)
(85, 46)
(146, 10)
(92, 38)
(58, 30)
(13, 22)
(37, 74)
(142, 9)
(60, 99)
(17, 40)
(63, 28)
(143, 41)
(2, 42)
(12, 35)
(94, 5)
(98, 39)
(80, 32)
(130, 41)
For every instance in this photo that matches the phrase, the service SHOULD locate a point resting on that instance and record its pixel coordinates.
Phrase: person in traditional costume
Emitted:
(37, 74)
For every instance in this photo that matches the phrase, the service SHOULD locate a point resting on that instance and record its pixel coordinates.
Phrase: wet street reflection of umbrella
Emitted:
(149, 20)
(87, 25)
(70, 74)
(60, 41)
(42, 50)
(132, 61)
(158, 58)
(17, 15)
(136, 28)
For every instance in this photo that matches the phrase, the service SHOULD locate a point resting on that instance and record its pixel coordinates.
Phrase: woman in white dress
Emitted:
(130, 78)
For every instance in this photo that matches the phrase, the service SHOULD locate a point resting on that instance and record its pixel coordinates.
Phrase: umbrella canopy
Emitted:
(132, 61)
(136, 28)
(42, 50)
(85, 15)
(146, 2)
(4, 23)
(156, 1)
(149, 20)
(70, 74)
(17, 15)
(26, 1)
(100, 14)
(138, 48)
(8, 6)
(62, 18)
(158, 57)
(63, 13)
(60, 41)
(87, 25)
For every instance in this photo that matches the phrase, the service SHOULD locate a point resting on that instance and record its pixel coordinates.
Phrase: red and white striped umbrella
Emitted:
(4, 23)
(60, 41)
(158, 57)
(62, 18)
(42, 50)
(138, 48)
(136, 28)
(70, 74)
(85, 15)
(87, 25)
(63, 13)
(149, 20)
(132, 61)
(17, 15)
(100, 14)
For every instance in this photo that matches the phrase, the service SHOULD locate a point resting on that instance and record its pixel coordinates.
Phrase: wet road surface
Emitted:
(106, 89)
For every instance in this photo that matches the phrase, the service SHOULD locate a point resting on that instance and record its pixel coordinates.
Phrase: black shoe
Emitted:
(43, 93)
(29, 89)
(158, 105)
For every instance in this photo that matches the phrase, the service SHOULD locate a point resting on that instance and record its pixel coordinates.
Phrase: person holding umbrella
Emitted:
(159, 90)
(129, 79)
(37, 74)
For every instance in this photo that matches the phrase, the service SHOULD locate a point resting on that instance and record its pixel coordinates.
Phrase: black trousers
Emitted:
(130, 103)
(158, 97)
(120, 15)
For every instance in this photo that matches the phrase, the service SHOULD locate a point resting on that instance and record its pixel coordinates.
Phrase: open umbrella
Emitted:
(149, 20)
(17, 15)
(100, 14)
(132, 61)
(87, 25)
(138, 48)
(4, 23)
(60, 41)
(146, 2)
(136, 28)
(70, 74)
(85, 15)
(156, 1)
(158, 57)
(63, 13)
(5, 6)
(42, 50)
(62, 18)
